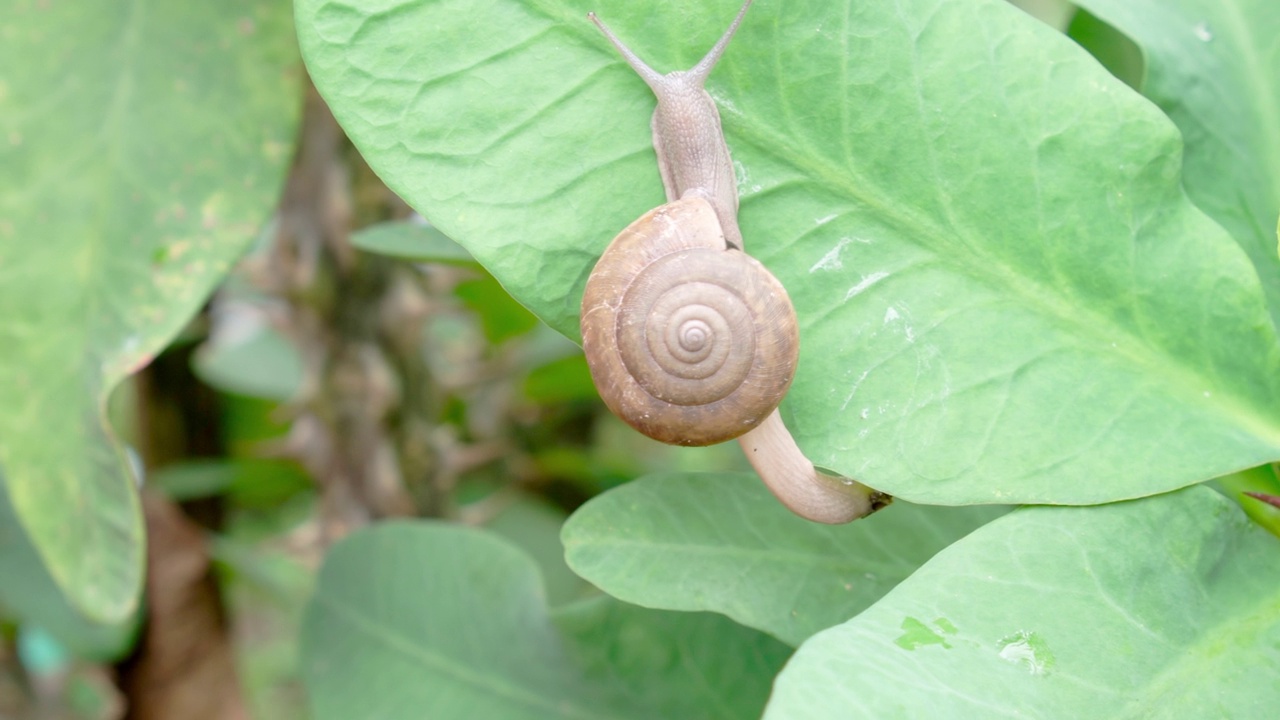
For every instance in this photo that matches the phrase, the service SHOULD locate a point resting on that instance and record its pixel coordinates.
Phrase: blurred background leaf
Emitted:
(144, 150)
(1213, 66)
(451, 622)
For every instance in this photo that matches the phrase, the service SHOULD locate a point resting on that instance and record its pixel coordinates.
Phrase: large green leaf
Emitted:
(1167, 607)
(144, 142)
(701, 541)
(1214, 67)
(1005, 295)
(442, 621)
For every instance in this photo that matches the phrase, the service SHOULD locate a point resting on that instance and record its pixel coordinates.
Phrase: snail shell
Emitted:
(689, 342)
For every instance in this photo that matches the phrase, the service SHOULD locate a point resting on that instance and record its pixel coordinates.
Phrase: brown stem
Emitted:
(1268, 499)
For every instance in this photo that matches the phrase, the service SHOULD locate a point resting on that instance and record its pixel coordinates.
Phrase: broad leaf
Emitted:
(720, 542)
(435, 620)
(1167, 607)
(144, 143)
(1005, 295)
(1214, 67)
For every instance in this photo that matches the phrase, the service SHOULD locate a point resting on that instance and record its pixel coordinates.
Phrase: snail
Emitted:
(690, 340)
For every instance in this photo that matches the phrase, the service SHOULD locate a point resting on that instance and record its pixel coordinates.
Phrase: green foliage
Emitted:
(721, 542)
(422, 243)
(1211, 66)
(258, 364)
(144, 145)
(1046, 613)
(1019, 279)
(534, 526)
(451, 622)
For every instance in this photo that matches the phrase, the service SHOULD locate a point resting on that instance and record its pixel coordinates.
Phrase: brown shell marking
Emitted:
(688, 342)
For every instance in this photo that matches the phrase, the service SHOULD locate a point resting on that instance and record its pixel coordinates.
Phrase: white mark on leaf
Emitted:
(831, 261)
(866, 282)
(1029, 650)
(891, 315)
(853, 390)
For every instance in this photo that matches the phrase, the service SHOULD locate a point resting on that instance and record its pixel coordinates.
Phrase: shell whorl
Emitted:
(688, 342)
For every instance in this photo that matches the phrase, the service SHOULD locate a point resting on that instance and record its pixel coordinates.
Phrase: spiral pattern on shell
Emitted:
(687, 341)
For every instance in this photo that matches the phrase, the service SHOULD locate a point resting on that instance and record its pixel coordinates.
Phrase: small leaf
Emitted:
(1167, 607)
(412, 241)
(721, 542)
(435, 620)
(261, 363)
(250, 483)
(501, 316)
(563, 380)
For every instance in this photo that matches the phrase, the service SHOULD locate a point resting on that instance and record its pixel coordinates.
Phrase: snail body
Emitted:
(689, 339)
